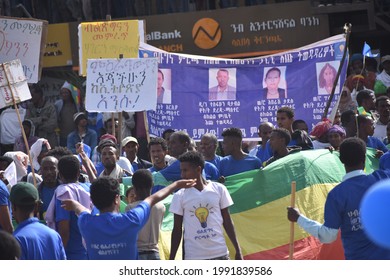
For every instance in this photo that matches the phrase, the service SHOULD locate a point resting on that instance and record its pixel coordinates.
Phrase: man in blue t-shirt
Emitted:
(342, 207)
(112, 235)
(65, 221)
(179, 142)
(37, 241)
(261, 151)
(236, 160)
(208, 148)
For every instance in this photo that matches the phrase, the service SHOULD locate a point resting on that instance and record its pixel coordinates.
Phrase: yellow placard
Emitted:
(57, 49)
(108, 39)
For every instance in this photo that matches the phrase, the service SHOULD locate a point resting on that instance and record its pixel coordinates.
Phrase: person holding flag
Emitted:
(358, 66)
(342, 207)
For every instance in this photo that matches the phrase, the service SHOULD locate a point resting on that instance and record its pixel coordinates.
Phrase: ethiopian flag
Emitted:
(260, 200)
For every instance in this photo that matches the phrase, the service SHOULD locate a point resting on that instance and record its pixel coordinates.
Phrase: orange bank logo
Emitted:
(206, 33)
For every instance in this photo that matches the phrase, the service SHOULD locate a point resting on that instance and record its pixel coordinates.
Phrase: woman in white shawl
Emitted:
(38, 151)
(20, 160)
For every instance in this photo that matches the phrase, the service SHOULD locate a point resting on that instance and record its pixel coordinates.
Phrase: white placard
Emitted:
(10, 174)
(21, 39)
(13, 81)
(116, 85)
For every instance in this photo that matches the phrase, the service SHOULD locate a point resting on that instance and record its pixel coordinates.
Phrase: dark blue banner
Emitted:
(207, 95)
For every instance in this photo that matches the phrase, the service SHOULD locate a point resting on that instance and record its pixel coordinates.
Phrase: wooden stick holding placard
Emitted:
(21, 127)
(146, 126)
(347, 30)
(113, 132)
(120, 123)
(292, 204)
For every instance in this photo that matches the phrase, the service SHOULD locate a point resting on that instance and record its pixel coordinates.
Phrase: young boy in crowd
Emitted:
(147, 242)
(203, 212)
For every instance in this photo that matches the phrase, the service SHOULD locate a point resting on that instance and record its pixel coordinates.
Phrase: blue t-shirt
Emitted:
(384, 161)
(373, 142)
(99, 167)
(216, 161)
(113, 236)
(74, 249)
(265, 153)
(4, 198)
(210, 171)
(39, 242)
(173, 172)
(46, 195)
(153, 169)
(342, 210)
(98, 122)
(230, 166)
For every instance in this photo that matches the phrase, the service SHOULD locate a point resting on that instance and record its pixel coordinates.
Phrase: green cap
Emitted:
(23, 194)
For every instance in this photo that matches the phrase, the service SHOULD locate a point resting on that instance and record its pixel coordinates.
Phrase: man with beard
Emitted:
(110, 156)
(222, 91)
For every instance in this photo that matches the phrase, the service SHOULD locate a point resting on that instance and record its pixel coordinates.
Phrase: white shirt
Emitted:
(202, 220)
(9, 125)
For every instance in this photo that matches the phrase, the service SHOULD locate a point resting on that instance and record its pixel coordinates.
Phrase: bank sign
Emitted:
(238, 32)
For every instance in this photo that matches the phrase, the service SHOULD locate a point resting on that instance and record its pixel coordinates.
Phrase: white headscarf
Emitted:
(21, 163)
(36, 150)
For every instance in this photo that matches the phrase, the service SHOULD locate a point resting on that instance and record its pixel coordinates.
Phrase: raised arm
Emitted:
(163, 193)
(73, 205)
(87, 163)
(314, 228)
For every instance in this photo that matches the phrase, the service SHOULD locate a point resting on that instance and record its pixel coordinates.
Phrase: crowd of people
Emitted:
(74, 174)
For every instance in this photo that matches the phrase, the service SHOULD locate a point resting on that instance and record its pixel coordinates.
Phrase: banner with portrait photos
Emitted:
(207, 94)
